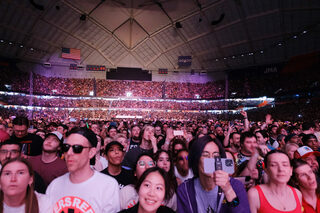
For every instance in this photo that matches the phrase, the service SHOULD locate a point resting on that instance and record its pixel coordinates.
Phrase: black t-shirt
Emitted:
(133, 144)
(124, 178)
(161, 209)
(31, 144)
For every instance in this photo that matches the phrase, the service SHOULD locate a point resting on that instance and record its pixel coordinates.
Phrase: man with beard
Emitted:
(135, 139)
(148, 145)
(48, 164)
(234, 143)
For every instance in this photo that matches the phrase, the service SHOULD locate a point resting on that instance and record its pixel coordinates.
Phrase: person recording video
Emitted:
(210, 192)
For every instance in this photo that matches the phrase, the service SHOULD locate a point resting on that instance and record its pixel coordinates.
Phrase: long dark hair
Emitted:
(171, 174)
(168, 187)
(197, 149)
(30, 201)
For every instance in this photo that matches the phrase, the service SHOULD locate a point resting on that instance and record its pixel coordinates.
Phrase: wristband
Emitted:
(235, 202)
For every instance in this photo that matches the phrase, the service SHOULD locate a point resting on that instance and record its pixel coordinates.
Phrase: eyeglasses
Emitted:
(206, 154)
(12, 152)
(77, 149)
(142, 163)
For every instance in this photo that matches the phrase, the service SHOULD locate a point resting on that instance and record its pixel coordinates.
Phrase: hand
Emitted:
(169, 134)
(244, 113)
(221, 179)
(269, 119)
(263, 149)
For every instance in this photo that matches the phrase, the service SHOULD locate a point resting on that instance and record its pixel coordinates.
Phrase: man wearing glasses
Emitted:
(83, 189)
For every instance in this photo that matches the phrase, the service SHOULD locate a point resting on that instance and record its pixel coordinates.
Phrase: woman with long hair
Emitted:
(276, 195)
(164, 161)
(153, 189)
(210, 191)
(17, 194)
(305, 179)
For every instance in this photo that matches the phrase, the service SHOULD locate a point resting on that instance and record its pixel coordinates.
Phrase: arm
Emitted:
(269, 120)
(254, 200)
(246, 121)
(227, 137)
(169, 136)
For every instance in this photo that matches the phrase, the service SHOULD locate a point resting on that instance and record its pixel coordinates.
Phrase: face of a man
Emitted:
(249, 145)
(157, 130)
(219, 131)
(51, 144)
(61, 130)
(115, 155)
(236, 140)
(312, 161)
(9, 151)
(182, 161)
(77, 162)
(20, 130)
(135, 132)
(112, 133)
(313, 144)
(95, 128)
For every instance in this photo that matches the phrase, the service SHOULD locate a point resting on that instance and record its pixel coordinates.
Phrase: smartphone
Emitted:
(177, 132)
(210, 165)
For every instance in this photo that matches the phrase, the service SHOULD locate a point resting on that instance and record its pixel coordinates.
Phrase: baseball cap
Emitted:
(113, 143)
(304, 152)
(55, 133)
(288, 137)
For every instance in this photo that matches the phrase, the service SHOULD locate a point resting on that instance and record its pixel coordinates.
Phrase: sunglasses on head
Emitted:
(77, 149)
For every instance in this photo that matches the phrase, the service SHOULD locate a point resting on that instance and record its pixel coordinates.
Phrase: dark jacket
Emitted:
(161, 209)
(187, 203)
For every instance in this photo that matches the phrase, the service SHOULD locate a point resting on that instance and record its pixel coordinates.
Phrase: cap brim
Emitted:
(316, 153)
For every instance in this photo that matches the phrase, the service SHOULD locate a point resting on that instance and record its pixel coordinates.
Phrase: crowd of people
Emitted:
(117, 88)
(63, 164)
(83, 102)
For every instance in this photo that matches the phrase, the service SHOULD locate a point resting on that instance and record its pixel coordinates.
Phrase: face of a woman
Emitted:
(15, 178)
(144, 163)
(279, 168)
(211, 150)
(260, 139)
(164, 161)
(151, 192)
(306, 177)
(148, 132)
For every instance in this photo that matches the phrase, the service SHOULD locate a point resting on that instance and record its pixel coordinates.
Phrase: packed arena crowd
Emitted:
(149, 165)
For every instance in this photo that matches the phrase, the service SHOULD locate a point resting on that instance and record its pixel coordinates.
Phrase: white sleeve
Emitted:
(112, 201)
(44, 203)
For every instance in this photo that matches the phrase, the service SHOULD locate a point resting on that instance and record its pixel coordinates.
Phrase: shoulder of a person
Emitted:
(34, 136)
(127, 189)
(186, 185)
(60, 179)
(107, 179)
(164, 209)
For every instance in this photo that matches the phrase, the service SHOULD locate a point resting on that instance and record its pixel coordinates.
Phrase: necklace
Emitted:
(280, 200)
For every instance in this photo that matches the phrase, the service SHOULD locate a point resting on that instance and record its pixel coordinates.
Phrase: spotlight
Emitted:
(178, 25)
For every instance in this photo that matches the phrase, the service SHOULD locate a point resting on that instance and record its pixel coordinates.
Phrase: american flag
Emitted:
(70, 53)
